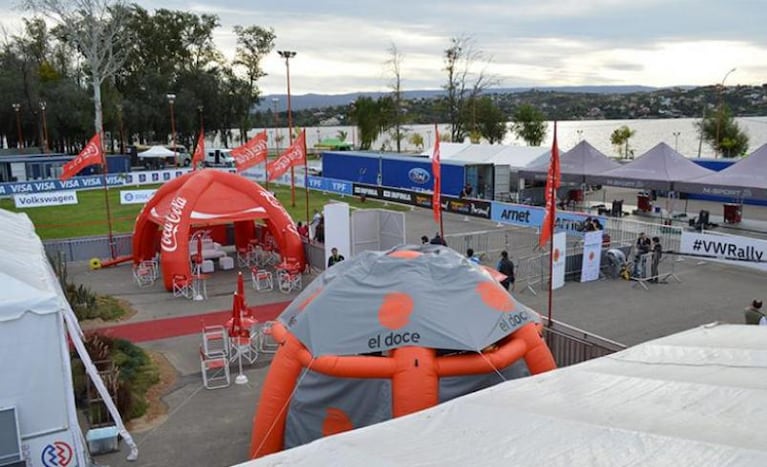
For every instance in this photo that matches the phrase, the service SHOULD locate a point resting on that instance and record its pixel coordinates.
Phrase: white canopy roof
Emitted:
(696, 398)
(157, 151)
(513, 156)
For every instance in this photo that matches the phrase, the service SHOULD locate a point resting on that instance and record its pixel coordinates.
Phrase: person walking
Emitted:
(506, 267)
(642, 247)
(335, 257)
(657, 254)
(424, 240)
(754, 314)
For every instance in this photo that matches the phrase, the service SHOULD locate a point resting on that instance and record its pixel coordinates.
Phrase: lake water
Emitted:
(597, 132)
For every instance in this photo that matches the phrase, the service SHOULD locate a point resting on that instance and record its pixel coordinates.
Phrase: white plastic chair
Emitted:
(144, 273)
(214, 357)
(264, 339)
(289, 281)
(262, 279)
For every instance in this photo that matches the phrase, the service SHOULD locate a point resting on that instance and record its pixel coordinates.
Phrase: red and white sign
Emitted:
(169, 240)
(90, 155)
(251, 153)
(293, 156)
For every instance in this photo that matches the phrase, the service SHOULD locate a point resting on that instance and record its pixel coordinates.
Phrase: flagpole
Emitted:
(306, 179)
(104, 171)
(553, 195)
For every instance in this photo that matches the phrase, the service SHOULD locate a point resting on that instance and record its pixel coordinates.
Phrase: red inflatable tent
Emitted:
(204, 198)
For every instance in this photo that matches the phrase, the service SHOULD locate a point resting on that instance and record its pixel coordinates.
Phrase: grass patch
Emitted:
(89, 216)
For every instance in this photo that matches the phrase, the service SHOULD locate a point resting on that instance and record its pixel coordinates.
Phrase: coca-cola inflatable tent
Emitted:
(204, 198)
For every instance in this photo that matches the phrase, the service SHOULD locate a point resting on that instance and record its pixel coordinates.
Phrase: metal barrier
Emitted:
(571, 345)
(489, 244)
(85, 248)
(624, 232)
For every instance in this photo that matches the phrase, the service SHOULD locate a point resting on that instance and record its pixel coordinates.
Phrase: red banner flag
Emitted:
(199, 151)
(251, 153)
(293, 156)
(552, 183)
(91, 154)
(436, 174)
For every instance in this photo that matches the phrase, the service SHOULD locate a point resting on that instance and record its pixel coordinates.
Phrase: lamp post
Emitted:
(172, 100)
(721, 104)
(676, 140)
(287, 55)
(45, 127)
(122, 128)
(17, 109)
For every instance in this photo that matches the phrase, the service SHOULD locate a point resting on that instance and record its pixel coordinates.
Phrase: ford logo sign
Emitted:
(419, 175)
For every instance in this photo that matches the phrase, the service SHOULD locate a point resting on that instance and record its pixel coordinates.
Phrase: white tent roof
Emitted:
(696, 398)
(25, 279)
(513, 156)
(157, 151)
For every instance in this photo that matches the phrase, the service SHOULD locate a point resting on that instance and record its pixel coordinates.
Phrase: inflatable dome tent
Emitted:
(207, 198)
(385, 334)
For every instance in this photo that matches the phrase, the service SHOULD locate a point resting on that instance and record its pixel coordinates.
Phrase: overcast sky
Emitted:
(342, 45)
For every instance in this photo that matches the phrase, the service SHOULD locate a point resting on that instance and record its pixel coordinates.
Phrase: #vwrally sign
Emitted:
(560, 253)
(55, 198)
(592, 256)
(742, 251)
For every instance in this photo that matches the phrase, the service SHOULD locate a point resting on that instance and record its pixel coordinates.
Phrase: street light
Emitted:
(287, 55)
(17, 109)
(45, 127)
(171, 100)
(721, 103)
(676, 140)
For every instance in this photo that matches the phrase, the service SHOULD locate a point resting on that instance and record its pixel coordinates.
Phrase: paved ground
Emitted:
(212, 428)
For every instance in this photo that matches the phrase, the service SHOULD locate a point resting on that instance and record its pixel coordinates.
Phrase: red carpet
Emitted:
(143, 331)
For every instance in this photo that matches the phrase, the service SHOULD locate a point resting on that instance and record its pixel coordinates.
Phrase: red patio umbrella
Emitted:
(241, 292)
(235, 322)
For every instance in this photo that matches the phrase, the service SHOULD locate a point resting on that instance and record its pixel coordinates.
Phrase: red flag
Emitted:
(199, 151)
(552, 183)
(293, 156)
(436, 174)
(251, 153)
(91, 154)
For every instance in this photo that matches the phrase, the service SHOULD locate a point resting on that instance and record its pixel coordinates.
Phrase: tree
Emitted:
(96, 28)
(732, 142)
(463, 84)
(490, 120)
(365, 114)
(529, 124)
(395, 65)
(620, 139)
(253, 44)
(342, 135)
(417, 140)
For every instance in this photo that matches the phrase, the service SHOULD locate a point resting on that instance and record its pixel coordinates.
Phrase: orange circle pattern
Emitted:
(495, 297)
(556, 254)
(395, 310)
(405, 254)
(336, 421)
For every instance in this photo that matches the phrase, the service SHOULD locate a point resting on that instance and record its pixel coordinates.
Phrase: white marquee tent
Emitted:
(515, 157)
(695, 398)
(156, 152)
(35, 376)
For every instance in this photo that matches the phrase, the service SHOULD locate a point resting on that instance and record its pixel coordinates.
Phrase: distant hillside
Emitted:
(314, 101)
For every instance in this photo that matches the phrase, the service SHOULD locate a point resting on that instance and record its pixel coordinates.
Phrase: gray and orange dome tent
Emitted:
(385, 334)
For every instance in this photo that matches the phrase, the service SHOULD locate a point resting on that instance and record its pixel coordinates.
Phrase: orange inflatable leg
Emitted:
(538, 356)
(269, 424)
(415, 384)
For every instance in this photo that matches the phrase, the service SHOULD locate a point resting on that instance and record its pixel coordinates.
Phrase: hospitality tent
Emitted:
(745, 179)
(695, 398)
(575, 164)
(156, 152)
(660, 168)
(515, 157)
(36, 387)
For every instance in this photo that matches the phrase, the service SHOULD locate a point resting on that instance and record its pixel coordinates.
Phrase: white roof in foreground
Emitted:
(697, 398)
(26, 283)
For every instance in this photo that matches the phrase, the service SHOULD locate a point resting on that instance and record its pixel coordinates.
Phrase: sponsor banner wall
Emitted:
(76, 183)
(136, 196)
(592, 256)
(532, 216)
(467, 207)
(733, 249)
(560, 253)
(56, 198)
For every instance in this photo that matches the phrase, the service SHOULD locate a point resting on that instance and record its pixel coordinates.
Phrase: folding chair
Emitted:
(262, 279)
(144, 273)
(243, 257)
(264, 340)
(241, 346)
(182, 286)
(214, 357)
(289, 281)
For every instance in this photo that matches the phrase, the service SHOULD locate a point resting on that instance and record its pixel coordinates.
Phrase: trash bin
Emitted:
(617, 208)
(732, 213)
(643, 202)
(576, 196)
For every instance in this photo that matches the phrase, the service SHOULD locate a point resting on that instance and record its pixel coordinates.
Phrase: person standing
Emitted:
(470, 256)
(335, 257)
(438, 240)
(424, 240)
(506, 267)
(303, 231)
(754, 314)
(657, 254)
(642, 247)
(314, 223)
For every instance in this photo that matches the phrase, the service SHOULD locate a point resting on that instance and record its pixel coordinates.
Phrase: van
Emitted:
(218, 158)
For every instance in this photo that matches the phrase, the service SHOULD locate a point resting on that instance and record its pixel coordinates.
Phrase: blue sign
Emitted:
(76, 183)
(532, 216)
(419, 175)
(330, 185)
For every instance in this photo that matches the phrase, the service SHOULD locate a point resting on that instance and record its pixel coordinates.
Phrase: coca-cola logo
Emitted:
(257, 150)
(91, 150)
(169, 241)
